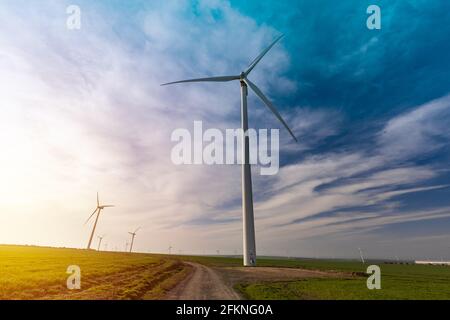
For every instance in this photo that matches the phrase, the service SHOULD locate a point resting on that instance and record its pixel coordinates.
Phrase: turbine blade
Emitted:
(95, 211)
(108, 206)
(98, 201)
(258, 58)
(269, 105)
(211, 79)
(137, 229)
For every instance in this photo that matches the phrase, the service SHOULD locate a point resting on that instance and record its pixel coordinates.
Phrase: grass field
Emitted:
(40, 273)
(398, 281)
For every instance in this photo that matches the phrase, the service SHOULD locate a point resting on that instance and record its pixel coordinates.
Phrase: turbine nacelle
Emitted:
(105, 206)
(98, 209)
(134, 232)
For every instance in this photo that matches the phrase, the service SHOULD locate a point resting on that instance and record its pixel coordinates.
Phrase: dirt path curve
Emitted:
(203, 284)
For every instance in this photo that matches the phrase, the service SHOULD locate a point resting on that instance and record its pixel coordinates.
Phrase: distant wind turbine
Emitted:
(126, 246)
(361, 255)
(170, 249)
(249, 245)
(97, 210)
(100, 241)
(133, 234)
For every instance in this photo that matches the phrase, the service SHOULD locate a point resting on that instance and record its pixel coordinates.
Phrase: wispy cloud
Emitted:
(83, 112)
(419, 132)
(361, 190)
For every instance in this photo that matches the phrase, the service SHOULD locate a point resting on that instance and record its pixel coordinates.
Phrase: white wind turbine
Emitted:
(97, 210)
(361, 255)
(133, 234)
(249, 246)
(100, 241)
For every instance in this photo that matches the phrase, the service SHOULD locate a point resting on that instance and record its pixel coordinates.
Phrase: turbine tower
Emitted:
(97, 210)
(361, 255)
(249, 245)
(100, 241)
(133, 234)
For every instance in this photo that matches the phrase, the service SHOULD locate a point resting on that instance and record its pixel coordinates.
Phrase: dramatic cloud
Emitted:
(83, 111)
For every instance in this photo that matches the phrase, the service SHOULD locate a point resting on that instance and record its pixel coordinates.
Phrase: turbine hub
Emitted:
(242, 75)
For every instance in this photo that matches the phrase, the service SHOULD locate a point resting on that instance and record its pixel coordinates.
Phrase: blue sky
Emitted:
(82, 111)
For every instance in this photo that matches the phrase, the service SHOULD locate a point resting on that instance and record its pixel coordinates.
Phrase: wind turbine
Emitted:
(133, 234)
(126, 246)
(361, 255)
(170, 249)
(97, 210)
(100, 241)
(249, 246)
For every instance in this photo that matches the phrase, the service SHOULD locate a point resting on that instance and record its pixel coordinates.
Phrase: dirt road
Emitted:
(203, 284)
(208, 283)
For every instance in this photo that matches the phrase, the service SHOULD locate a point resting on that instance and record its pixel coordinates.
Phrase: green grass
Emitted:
(211, 261)
(398, 281)
(40, 273)
(347, 289)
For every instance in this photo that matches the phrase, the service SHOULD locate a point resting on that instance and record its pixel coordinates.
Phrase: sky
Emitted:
(82, 111)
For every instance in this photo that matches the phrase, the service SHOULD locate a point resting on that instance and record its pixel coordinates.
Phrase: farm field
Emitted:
(398, 281)
(40, 273)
